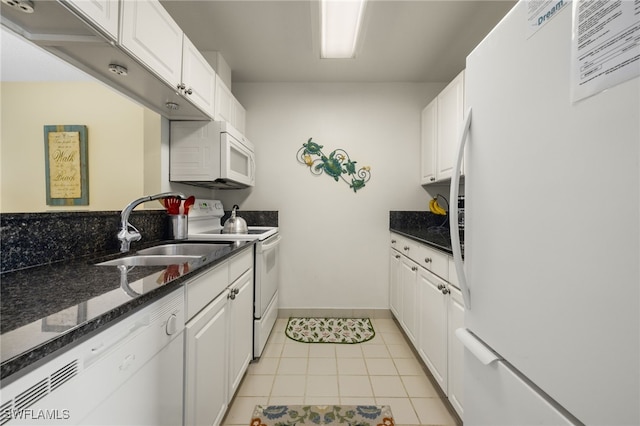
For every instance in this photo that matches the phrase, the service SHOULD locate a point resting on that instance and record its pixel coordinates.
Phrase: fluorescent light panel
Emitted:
(340, 25)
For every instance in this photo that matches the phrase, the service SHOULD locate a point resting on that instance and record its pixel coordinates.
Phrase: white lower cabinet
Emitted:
(240, 329)
(409, 291)
(455, 359)
(394, 283)
(432, 342)
(206, 393)
(429, 309)
(218, 338)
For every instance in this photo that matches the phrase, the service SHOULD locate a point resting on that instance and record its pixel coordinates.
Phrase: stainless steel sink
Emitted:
(184, 249)
(152, 260)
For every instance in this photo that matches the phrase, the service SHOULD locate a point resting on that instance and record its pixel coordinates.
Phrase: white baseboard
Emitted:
(334, 313)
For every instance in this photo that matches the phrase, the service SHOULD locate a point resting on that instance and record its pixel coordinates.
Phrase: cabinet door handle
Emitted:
(432, 179)
(181, 86)
(427, 260)
(440, 286)
(414, 268)
(233, 292)
(393, 241)
(397, 256)
(445, 291)
(406, 248)
(189, 91)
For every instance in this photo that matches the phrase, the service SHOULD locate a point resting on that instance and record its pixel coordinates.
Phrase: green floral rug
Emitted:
(330, 330)
(352, 415)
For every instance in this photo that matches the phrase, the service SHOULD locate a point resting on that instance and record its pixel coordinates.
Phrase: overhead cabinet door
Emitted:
(450, 116)
(153, 37)
(102, 14)
(429, 142)
(198, 78)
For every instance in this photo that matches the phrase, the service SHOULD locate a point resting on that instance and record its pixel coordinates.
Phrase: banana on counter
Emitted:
(435, 207)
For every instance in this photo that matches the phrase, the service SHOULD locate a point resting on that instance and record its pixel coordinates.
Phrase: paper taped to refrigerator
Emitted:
(606, 45)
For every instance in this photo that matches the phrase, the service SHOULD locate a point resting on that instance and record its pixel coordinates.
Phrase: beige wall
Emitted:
(335, 247)
(119, 143)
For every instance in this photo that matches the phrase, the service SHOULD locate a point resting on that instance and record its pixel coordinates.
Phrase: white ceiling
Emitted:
(267, 40)
(402, 41)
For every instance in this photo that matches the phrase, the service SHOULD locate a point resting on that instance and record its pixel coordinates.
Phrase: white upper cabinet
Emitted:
(134, 46)
(224, 102)
(441, 122)
(153, 37)
(450, 118)
(239, 117)
(198, 78)
(103, 14)
(150, 34)
(228, 108)
(429, 138)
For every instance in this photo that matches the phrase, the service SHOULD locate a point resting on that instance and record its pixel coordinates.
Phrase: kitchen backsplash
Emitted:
(33, 239)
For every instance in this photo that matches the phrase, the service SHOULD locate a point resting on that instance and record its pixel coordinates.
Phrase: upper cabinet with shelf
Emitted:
(441, 121)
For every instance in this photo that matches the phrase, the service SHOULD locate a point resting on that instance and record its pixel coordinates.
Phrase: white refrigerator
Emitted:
(551, 254)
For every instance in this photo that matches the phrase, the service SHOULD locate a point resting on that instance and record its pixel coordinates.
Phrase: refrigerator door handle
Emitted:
(453, 227)
(476, 347)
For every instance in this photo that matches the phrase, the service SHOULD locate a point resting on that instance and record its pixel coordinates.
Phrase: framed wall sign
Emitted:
(66, 164)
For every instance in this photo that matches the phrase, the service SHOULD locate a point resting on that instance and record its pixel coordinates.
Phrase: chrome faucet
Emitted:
(128, 232)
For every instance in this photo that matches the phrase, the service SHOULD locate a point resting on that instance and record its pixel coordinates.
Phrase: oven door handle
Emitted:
(272, 244)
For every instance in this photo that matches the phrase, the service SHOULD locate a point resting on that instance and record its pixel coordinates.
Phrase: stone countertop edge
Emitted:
(420, 237)
(41, 353)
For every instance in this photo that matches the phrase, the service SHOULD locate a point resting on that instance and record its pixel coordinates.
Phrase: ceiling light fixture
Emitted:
(340, 22)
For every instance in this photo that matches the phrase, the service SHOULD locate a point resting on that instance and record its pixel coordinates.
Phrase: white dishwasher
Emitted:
(129, 374)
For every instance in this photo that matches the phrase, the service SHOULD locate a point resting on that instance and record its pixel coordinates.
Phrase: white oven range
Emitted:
(205, 225)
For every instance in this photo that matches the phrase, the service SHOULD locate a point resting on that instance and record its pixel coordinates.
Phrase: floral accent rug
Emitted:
(352, 415)
(330, 330)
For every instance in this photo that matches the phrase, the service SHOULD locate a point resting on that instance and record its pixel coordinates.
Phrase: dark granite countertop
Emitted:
(46, 308)
(436, 238)
(424, 227)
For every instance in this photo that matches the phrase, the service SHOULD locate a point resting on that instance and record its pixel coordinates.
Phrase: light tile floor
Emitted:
(382, 371)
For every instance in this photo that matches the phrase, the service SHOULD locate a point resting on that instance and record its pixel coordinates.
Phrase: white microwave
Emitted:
(212, 154)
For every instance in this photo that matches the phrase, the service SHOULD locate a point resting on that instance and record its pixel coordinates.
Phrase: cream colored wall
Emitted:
(152, 153)
(116, 147)
(335, 247)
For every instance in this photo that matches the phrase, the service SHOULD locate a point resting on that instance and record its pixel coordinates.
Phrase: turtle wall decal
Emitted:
(338, 165)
